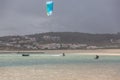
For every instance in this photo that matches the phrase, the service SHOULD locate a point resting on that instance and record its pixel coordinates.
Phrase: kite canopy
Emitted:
(49, 7)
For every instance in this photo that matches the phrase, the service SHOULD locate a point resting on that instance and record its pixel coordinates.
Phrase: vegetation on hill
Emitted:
(77, 37)
(60, 40)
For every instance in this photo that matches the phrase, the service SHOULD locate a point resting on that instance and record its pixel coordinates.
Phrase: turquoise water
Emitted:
(57, 67)
(9, 60)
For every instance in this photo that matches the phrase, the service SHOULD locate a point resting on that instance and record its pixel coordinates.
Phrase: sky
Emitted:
(21, 17)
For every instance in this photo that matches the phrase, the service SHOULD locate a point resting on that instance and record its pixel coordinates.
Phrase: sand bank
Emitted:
(82, 52)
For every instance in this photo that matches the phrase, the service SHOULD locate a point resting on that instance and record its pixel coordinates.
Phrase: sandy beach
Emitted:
(101, 51)
(82, 52)
(61, 73)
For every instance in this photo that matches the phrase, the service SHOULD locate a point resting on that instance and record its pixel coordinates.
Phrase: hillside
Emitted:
(59, 40)
(77, 37)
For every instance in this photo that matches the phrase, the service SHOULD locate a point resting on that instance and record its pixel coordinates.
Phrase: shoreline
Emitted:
(81, 52)
(100, 54)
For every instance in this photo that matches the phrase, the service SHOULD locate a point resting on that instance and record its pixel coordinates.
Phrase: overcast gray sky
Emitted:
(29, 16)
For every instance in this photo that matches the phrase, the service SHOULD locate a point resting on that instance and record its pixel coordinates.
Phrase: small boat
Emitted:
(25, 55)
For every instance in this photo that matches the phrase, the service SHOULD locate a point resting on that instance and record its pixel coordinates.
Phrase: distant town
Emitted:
(60, 40)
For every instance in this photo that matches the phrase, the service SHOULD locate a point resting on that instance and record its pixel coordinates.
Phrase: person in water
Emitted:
(63, 54)
(97, 57)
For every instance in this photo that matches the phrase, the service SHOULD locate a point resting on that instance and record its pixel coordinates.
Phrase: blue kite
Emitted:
(49, 7)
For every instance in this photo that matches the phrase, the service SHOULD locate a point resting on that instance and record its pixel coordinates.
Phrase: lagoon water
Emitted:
(57, 67)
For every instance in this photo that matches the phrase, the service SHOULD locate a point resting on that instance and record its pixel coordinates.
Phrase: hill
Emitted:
(60, 39)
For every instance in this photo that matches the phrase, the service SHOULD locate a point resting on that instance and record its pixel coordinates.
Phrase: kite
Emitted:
(49, 7)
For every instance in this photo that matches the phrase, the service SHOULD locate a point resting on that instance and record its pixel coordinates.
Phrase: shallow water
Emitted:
(53, 59)
(57, 67)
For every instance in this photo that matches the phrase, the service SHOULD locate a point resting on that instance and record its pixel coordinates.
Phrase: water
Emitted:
(70, 67)
(55, 59)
